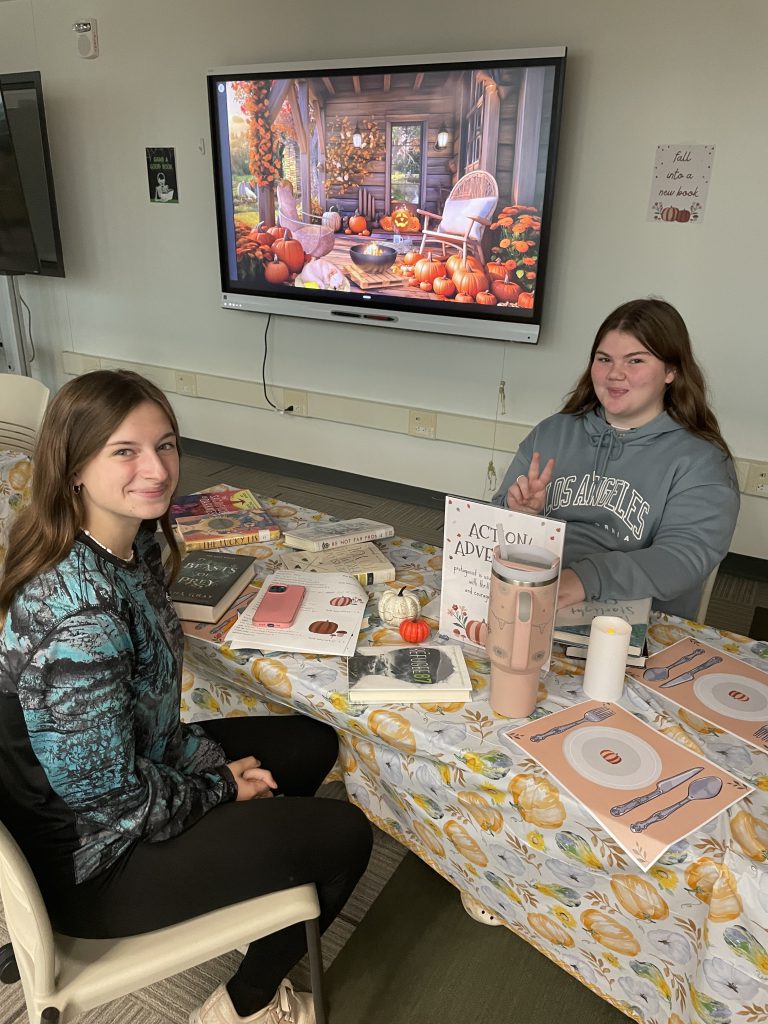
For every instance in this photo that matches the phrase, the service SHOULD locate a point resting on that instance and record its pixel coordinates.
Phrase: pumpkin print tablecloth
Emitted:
(15, 491)
(684, 943)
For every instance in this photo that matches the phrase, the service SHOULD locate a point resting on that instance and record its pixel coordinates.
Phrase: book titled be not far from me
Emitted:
(324, 536)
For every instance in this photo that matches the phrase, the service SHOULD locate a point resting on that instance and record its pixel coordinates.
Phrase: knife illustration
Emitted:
(686, 677)
(662, 787)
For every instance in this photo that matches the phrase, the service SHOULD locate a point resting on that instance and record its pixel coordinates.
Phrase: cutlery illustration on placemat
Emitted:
(686, 677)
(658, 675)
(664, 786)
(762, 733)
(699, 789)
(595, 715)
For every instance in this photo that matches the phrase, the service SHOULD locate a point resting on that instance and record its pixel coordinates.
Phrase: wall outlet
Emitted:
(186, 383)
(422, 424)
(757, 480)
(298, 399)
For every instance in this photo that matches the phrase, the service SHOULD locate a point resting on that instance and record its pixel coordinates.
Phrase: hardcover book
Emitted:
(209, 582)
(365, 561)
(204, 503)
(573, 623)
(417, 675)
(324, 536)
(468, 542)
(226, 529)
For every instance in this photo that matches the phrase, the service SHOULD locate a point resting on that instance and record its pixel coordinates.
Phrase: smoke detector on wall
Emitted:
(87, 38)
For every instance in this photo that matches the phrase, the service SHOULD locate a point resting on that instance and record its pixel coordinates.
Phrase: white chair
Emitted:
(466, 214)
(706, 594)
(22, 404)
(63, 977)
(316, 239)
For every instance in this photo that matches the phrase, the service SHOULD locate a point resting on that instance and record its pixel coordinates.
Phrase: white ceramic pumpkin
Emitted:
(396, 605)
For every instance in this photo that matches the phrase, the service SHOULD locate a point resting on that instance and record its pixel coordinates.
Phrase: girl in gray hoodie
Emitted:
(636, 465)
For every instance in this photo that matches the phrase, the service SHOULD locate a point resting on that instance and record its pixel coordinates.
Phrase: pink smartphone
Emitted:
(279, 606)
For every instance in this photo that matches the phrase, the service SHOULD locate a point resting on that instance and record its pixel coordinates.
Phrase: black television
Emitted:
(30, 242)
(412, 192)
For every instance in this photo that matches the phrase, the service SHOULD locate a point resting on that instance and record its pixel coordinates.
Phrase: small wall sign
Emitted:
(680, 183)
(161, 175)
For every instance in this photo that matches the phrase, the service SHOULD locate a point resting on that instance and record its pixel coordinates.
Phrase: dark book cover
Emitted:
(207, 576)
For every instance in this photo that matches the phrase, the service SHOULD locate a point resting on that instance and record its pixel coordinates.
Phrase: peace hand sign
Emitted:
(527, 493)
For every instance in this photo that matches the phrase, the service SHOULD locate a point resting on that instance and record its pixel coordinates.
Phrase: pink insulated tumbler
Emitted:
(521, 614)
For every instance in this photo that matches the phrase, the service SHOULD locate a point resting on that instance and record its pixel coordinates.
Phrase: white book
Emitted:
(468, 542)
(365, 561)
(417, 674)
(324, 536)
(327, 622)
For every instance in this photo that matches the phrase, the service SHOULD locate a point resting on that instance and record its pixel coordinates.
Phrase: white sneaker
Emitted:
(476, 910)
(287, 1007)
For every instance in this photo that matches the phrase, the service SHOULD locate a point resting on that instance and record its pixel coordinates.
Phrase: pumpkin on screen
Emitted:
(291, 252)
(357, 223)
(506, 290)
(427, 269)
(469, 280)
(412, 258)
(276, 272)
(525, 300)
(444, 286)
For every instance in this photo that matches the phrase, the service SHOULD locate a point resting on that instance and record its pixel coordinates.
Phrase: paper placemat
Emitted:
(645, 790)
(723, 690)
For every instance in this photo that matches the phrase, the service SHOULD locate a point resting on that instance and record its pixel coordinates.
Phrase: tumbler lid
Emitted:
(527, 563)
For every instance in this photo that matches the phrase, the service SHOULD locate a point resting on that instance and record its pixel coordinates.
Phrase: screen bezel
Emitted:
(450, 318)
(32, 80)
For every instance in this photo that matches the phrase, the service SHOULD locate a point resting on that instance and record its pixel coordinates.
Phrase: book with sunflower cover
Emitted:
(203, 503)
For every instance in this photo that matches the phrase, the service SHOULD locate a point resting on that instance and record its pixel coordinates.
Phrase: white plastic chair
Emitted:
(706, 594)
(62, 976)
(22, 405)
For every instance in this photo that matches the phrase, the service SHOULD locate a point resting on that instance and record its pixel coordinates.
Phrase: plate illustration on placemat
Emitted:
(733, 696)
(612, 757)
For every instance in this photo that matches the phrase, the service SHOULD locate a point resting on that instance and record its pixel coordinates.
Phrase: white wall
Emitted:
(142, 280)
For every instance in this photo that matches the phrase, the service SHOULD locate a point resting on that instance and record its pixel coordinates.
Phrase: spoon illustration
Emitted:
(686, 677)
(658, 675)
(699, 789)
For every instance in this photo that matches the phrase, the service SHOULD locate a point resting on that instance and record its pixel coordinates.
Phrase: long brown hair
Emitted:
(658, 327)
(77, 425)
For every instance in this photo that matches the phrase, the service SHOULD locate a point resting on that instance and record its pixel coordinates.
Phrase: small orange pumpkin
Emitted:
(506, 290)
(323, 626)
(412, 258)
(291, 252)
(357, 223)
(470, 281)
(486, 298)
(610, 933)
(463, 297)
(426, 286)
(427, 269)
(276, 272)
(550, 930)
(444, 286)
(525, 300)
(413, 631)
(276, 232)
(639, 897)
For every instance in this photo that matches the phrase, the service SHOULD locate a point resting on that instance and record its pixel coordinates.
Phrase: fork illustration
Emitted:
(762, 733)
(595, 715)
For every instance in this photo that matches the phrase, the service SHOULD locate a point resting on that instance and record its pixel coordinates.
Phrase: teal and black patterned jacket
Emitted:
(93, 755)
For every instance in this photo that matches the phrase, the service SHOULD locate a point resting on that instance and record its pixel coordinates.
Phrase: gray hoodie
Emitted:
(650, 511)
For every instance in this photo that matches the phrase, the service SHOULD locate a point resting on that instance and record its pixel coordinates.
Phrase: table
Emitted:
(683, 944)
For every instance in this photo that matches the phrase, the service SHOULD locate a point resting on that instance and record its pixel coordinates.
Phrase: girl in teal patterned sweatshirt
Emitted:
(131, 819)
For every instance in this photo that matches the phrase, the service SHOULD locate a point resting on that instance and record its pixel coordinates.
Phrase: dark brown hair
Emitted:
(77, 424)
(659, 328)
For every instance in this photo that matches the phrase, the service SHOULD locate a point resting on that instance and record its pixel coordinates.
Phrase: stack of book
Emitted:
(209, 582)
(221, 519)
(573, 624)
(345, 546)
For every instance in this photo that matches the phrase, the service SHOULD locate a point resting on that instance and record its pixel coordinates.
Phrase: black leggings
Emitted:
(237, 851)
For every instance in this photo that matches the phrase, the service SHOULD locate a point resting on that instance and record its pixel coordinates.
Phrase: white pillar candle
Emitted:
(606, 658)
